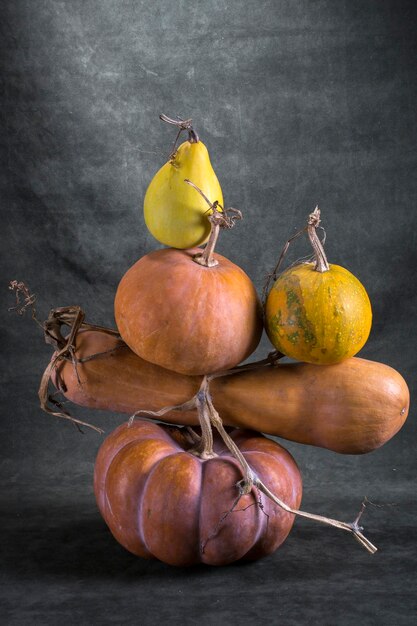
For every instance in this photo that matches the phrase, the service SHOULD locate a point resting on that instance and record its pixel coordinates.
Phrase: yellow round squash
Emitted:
(317, 312)
(318, 317)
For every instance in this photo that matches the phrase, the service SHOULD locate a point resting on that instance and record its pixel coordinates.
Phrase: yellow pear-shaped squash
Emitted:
(318, 317)
(174, 214)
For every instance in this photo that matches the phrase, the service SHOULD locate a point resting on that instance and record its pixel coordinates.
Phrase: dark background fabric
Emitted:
(299, 103)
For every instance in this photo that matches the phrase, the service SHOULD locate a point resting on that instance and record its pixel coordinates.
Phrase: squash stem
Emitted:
(204, 445)
(181, 125)
(216, 218)
(322, 264)
(219, 218)
(249, 478)
(192, 136)
(206, 257)
(204, 448)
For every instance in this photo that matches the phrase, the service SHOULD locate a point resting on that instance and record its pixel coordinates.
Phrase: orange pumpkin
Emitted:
(186, 317)
(161, 501)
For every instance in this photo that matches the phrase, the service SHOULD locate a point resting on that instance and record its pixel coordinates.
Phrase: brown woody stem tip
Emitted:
(321, 260)
(219, 217)
(181, 125)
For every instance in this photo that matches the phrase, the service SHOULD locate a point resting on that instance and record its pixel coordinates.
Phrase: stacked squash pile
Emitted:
(186, 318)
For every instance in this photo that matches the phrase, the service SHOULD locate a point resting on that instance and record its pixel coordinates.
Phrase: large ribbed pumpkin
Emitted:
(161, 501)
(318, 317)
(188, 318)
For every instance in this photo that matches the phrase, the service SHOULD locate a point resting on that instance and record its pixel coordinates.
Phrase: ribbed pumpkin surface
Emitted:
(163, 502)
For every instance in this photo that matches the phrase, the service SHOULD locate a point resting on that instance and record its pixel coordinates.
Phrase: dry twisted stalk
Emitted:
(182, 125)
(313, 223)
(72, 317)
(219, 217)
(209, 418)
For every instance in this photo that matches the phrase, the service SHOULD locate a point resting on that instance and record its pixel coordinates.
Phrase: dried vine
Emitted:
(208, 416)
(219, 217)
(182, 125)
(72, 317)
(313, 224)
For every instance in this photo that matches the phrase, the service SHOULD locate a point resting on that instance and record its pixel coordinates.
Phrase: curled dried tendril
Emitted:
(218, 214)
(313, 224)
(24, 299)
(182, 125)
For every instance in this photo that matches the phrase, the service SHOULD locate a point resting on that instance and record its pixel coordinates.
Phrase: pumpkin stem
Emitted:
(204, 445)
(181, 125)
(249, 478)
(319, 254)
(219, 217)
(204, 448)
(206, 258)
(321, 260)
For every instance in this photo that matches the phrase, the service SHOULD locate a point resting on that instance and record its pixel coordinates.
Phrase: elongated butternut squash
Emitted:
(118, 380)
(351, 407)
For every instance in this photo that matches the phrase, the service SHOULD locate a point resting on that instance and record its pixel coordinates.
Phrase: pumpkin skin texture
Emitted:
(318, 317)
(174, 212)
(352, 407)
(185, 317)
(163, 502)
